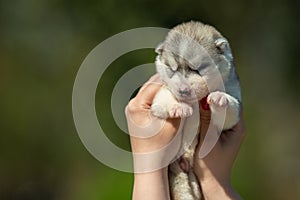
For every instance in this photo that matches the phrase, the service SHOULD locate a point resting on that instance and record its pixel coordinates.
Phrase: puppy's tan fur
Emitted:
(186, 61)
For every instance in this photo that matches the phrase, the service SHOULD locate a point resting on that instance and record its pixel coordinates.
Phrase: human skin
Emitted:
(150, 185)
(213, 171)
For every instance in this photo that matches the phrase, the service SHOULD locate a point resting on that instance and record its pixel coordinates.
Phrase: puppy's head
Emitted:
(191, 58)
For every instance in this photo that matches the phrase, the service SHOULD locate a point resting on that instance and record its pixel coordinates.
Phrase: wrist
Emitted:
(160, 176)
(151, 185)
(150, 162)
(218, 189)
(159, 173)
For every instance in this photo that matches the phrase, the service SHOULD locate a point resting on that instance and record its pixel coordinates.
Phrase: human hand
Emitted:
(149, 136)
(147, 132)
(214, 170)
(154, 141)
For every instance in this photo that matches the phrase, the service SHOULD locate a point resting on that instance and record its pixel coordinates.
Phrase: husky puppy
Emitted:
(194, 62)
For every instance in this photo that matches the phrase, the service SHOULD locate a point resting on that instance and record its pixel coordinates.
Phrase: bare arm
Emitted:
(154, 184)
(214, 170)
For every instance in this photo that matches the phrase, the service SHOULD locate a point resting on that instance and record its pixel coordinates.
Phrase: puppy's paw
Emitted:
(218, 99)
(159, 111)
(220, 102)
(180, 110)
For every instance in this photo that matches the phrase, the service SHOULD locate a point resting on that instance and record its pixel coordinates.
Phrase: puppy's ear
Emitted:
(172, 63)
(223, 47)
(159, 48)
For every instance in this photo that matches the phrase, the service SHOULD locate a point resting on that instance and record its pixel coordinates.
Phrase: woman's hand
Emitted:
(149, 136)
(214, 170)
(147, 132)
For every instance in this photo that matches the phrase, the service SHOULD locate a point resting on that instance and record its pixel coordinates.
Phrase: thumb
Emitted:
(149, 90)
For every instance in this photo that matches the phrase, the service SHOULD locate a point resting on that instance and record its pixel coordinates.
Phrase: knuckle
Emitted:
(132, 106)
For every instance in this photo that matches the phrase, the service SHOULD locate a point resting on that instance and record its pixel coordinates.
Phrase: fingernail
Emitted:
(204, 103)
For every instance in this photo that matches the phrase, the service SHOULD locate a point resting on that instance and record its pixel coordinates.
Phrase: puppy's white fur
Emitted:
(188, 78)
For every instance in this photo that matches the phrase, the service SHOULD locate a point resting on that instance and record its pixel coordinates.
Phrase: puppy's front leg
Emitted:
(221, 100)
(166, 105)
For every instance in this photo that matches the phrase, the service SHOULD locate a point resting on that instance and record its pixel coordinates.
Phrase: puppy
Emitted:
(195, 61)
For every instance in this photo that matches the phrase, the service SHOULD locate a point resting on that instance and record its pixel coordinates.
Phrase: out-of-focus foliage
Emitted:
(42, 44)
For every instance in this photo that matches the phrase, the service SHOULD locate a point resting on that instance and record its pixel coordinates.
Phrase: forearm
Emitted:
(152, 185)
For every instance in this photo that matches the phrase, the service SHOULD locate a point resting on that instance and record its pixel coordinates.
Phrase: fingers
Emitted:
(149, 90)
(145, 95)
(153, 79)
(205, 116)
(229, 138)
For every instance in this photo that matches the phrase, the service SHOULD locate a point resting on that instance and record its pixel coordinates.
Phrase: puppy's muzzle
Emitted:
(185, 91)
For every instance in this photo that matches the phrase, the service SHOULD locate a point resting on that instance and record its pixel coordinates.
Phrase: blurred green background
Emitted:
(42, 45)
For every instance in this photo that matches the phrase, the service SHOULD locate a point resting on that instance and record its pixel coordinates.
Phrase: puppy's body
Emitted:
(194, 61)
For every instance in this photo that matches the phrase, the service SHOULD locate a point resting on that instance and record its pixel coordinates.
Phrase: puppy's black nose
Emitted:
(185, 91)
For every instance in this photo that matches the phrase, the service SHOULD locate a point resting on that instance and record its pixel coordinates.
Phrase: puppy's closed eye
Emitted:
(204, 65)
(194, 70)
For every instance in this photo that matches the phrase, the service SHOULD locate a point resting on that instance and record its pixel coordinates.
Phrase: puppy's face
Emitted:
(184, 82)
(193, 60)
